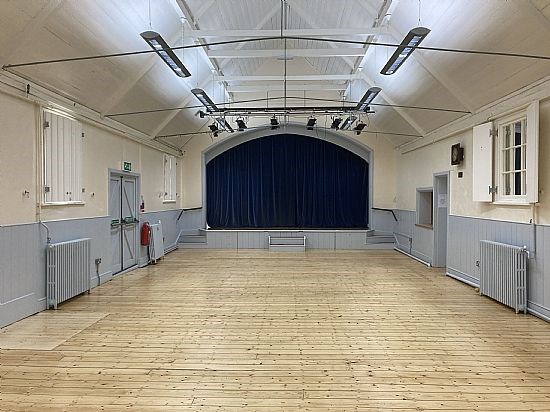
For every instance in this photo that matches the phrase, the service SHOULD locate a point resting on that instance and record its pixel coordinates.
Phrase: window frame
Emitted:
(499, 168)
(420, 203)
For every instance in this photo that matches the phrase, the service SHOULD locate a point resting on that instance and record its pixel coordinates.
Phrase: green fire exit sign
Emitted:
(127, 166)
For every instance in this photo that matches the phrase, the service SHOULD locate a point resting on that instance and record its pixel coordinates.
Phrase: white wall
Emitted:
(416, 168)
(102, 149)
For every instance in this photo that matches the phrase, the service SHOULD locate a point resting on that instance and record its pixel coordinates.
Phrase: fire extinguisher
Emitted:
(145, 234)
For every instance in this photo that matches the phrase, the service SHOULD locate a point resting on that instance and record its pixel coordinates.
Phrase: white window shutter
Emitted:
(172, 178)
(482, 157)
(166, 176)
(532, 153)
(48, 157)
(77, 162)
(62, 155)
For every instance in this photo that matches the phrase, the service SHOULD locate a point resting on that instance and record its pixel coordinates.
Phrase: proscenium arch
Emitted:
(237, 138)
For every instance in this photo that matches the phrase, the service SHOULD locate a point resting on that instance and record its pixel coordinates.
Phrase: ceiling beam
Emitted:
(315, 26)
(205, 7)
(529, 9)
(432, 69)
(315, 32)
(281, 78)
(419, 129)
(259, 26)
(182, 4)
(131, 81)
(172, 114)
(361, 74)
(281, 87)
(21, 37)
(279, 53)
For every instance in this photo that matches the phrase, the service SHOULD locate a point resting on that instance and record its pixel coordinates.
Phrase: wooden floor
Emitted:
(250, 330)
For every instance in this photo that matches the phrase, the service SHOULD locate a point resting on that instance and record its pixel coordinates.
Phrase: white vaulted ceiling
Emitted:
(34, 30)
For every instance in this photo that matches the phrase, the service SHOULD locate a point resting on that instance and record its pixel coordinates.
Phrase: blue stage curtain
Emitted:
(287, 181)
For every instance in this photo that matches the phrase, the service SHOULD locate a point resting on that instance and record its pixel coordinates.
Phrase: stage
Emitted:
(332, 239)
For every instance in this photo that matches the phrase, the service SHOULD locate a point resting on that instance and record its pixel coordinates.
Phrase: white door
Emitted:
(115, 188)
(124, 223)
(129, 223)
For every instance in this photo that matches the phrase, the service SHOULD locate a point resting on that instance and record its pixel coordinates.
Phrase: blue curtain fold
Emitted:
(287, 181)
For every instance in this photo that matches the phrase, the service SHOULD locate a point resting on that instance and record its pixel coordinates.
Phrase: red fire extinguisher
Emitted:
(145, 234)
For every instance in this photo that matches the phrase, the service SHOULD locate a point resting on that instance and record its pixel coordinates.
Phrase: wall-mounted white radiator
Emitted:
(503, 274)
(67, 270)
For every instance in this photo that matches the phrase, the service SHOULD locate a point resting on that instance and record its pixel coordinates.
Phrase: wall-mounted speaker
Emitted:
(457, 154)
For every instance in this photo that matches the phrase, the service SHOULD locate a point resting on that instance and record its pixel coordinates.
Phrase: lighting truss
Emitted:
(224, 124)
(348, 122)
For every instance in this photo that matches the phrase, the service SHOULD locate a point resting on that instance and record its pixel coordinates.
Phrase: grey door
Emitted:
(124, 223)
(441, 213)
(115, 187)
(129, 223)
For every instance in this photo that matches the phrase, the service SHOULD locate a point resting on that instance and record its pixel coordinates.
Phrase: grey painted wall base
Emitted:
(421, 245)
(463, 252)
(23, 252)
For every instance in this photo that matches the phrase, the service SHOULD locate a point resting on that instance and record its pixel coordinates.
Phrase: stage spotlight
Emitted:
(336, 123)
(214, 129)
(274, 123)
(359, 128)
(310, 123)
(241, 125)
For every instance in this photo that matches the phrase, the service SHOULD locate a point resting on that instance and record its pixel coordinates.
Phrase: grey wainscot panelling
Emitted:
(23, 252)
(171, 229)
(463, 253)
(191, 220)
(413, 239)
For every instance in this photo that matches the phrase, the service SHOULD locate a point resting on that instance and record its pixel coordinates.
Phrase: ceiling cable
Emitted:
(260, 39)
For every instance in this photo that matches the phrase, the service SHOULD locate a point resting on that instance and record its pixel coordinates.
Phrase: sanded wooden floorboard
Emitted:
(251, 330)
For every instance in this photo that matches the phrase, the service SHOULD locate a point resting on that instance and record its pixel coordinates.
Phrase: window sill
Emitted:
(53, 204)
(511, 203)
(424, 226)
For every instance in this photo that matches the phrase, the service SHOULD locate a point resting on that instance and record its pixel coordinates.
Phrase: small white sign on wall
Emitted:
(442, 200)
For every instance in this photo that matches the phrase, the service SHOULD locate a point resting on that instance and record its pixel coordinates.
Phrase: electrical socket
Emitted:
(97, 261)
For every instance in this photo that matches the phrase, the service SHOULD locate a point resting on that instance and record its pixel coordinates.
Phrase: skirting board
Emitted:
(412, 256)
(532, 308)
(142, 262)
(463, 277)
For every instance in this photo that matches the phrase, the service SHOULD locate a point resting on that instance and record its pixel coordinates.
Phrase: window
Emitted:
(62, 153)
(511, 159)
(505, 158)
(169, 178)
(424, 207)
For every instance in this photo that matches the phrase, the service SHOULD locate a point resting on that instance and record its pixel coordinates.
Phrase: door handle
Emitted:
(129, 220)
(115, 223)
